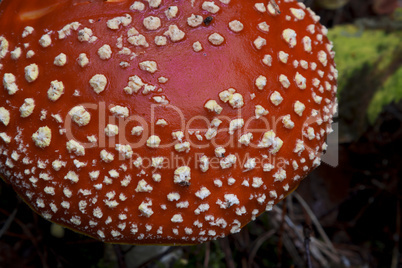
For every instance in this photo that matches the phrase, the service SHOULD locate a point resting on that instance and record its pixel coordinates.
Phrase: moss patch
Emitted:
(390, 92)
(377, 52)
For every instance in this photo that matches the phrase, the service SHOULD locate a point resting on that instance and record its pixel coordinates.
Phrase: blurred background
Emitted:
(345, 214)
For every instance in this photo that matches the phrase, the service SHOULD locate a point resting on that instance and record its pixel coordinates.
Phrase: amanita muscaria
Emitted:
(161, 121)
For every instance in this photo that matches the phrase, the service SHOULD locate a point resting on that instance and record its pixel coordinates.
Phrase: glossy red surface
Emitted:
(193, 79)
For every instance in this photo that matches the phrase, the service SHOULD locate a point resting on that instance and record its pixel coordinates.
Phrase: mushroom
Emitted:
(161, 122)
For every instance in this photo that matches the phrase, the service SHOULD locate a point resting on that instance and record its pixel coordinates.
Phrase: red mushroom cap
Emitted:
(161, 121)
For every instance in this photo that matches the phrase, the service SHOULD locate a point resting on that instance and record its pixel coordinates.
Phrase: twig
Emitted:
(242, 245)
(159, 256)
(281, 232)
(120, 256)
(307, 234)
(8, 222)
(323, 248)
(291, 248)
(33, 240)
(207, 254)
(128, 249)
(257, 244)
(244, 263)
(290, 207)
(316, 246)
(61, 260)
(395, 253)
(241, 241)
(363, 209)
(228, 253)
(315, 222)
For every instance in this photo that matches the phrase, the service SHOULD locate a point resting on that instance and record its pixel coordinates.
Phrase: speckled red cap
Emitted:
(161, 121)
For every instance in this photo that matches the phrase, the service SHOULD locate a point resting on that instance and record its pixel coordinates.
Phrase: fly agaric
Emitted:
(161, 121)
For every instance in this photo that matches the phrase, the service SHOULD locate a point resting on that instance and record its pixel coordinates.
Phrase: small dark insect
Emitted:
(276, 7)
(185, 183)
(228, 204)
(208, 20)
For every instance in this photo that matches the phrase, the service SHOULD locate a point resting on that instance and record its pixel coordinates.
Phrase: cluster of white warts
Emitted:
(182, 175)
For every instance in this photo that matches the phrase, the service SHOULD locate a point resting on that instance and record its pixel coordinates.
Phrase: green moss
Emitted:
(375, 52)
(390, 92)
(355, 47)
